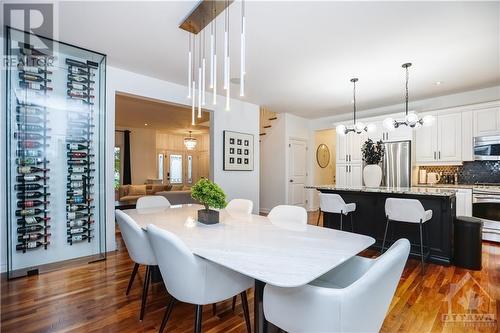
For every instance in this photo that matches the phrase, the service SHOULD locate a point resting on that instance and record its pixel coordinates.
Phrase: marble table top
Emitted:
(398, 190)
(275, 252)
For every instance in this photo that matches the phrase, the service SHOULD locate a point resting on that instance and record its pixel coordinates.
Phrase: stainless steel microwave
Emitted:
(487, 148)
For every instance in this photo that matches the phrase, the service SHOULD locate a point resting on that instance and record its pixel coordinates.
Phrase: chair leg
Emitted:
(197, 322)
(168, 311)
(233, 306)
(352, 224)
(341, 214)
(319, 215)
(214, 309)
(385, 235)
(421, 248)
(246, 313)
(132, 277)
(147, 278)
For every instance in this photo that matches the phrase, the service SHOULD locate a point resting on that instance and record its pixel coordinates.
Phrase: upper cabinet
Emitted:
(349, 147)
(441, 142)
(487, 121)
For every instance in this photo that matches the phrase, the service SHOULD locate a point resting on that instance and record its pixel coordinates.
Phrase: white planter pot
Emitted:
(372, 175)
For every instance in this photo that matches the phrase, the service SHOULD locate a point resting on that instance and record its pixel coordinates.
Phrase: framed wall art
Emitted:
(238, 151)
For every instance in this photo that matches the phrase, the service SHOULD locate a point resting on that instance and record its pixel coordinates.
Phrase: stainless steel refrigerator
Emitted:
(396, 166)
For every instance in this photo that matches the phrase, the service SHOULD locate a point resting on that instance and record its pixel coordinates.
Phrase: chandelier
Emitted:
(358, 127)
(204, 15)
(411, 118)
(190, 142)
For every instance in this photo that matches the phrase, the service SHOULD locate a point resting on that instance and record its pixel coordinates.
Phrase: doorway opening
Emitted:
(157, 149)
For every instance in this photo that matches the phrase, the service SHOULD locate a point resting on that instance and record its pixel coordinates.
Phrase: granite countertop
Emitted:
(456, 186)
(448, 192)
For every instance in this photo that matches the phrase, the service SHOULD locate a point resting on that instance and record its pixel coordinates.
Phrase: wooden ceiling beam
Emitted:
(204, 13)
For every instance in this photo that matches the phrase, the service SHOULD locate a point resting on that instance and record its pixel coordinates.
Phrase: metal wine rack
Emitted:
(31, 185)
(79, 208)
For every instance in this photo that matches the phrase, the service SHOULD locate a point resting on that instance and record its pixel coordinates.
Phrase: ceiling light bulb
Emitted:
(341, 129)
(438, 83)
(388, 124)
(359, 127)
(428, 120)
(370, 128)
(412, 119)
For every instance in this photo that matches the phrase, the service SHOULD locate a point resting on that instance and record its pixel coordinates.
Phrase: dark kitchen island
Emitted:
(369, 217)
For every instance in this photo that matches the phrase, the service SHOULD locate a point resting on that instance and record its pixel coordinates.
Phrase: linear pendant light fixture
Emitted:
(411, 118)
(358, 127)
(203, 15)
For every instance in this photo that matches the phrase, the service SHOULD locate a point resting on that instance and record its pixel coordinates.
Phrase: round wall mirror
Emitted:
(323, 155)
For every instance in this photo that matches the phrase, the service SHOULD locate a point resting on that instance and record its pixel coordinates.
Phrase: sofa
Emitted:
(134, 192)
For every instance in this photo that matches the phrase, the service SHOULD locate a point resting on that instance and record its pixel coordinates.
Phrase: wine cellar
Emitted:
(55, 149)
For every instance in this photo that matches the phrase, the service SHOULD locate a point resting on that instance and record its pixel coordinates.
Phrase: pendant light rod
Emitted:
(354, 80)
(405, 66)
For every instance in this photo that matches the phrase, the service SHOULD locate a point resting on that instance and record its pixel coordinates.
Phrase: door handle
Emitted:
(346, 157)
(346, 168)
(439, 154)
(434, 155)
(349, 157)
(349, 168)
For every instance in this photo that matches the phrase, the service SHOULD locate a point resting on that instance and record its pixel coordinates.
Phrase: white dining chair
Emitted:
(353, 297)
(237, 207)
(333, 203)
(139, 250)
(152, 201)
(240, 206)
(192, 279)
(288, 214)
(408, 211)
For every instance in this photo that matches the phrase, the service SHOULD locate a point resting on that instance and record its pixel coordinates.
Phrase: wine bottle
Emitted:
(31, 195)
(78, 116)
(78, 200)
(79, 162)
(77, 215)
(30, 136)
(79, 86)
(80, 139)
(79, 169)
(31, 228)
(79, 125)
(33, 70)
(79, 177)
(79, 79)
(28, 187)
(78, 230)
(28, 49)
(31, 144)
(79, 223)
(78, 238)
(76, 154)
(79, 94)
(31, 128)
(30, 245)
(29, 119)
(30, 178)
(31, 203)
(29, 110)
(76, 146)
(80, 71)
(31, 237)
(30, 211)
(30, 169)
(30, 161)
(78, 208)
(33, 78)
(74, 192)
(30, 220)
(88, 65)
(29, 153)
(34, 86)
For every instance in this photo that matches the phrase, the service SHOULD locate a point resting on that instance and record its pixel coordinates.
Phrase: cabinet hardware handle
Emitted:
(346, 168)
(291, 180)
(439, 154)
(346, 157)
(349, 168)
(434, 155)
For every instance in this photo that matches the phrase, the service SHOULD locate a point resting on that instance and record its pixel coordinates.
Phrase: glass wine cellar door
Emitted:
(55, 153)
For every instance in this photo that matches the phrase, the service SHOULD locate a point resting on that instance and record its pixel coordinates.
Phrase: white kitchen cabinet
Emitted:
(464, 202)
(356, 175)
(487, 121)
(349, 147)
(349, 175)
(341, 147)
(341, 175)
(441, 142)
(402, 133)
(467, 136)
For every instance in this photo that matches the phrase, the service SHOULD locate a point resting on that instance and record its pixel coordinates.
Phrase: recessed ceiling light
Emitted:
(438, 83)
(145, 124)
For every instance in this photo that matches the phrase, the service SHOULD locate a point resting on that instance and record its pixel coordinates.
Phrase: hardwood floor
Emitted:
(91, 298)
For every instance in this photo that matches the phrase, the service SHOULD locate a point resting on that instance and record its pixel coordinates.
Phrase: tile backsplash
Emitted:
(471, 172)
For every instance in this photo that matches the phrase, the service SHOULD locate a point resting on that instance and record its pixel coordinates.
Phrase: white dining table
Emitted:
(277, 252)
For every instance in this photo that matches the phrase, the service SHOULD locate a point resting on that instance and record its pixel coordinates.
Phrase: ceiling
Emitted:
(137, 112)
(301, 54)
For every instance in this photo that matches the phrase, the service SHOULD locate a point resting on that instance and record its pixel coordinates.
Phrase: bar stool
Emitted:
(408, 211)
(333, 203)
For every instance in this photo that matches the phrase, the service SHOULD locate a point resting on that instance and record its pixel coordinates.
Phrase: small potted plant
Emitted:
(209, 195)
(373, 153)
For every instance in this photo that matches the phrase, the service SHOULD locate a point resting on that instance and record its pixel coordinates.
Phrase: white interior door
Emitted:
(297, 172)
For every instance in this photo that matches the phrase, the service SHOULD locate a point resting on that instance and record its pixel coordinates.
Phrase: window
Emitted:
(117, 167)
(160, 166)
(175, 169)
(190, 169)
